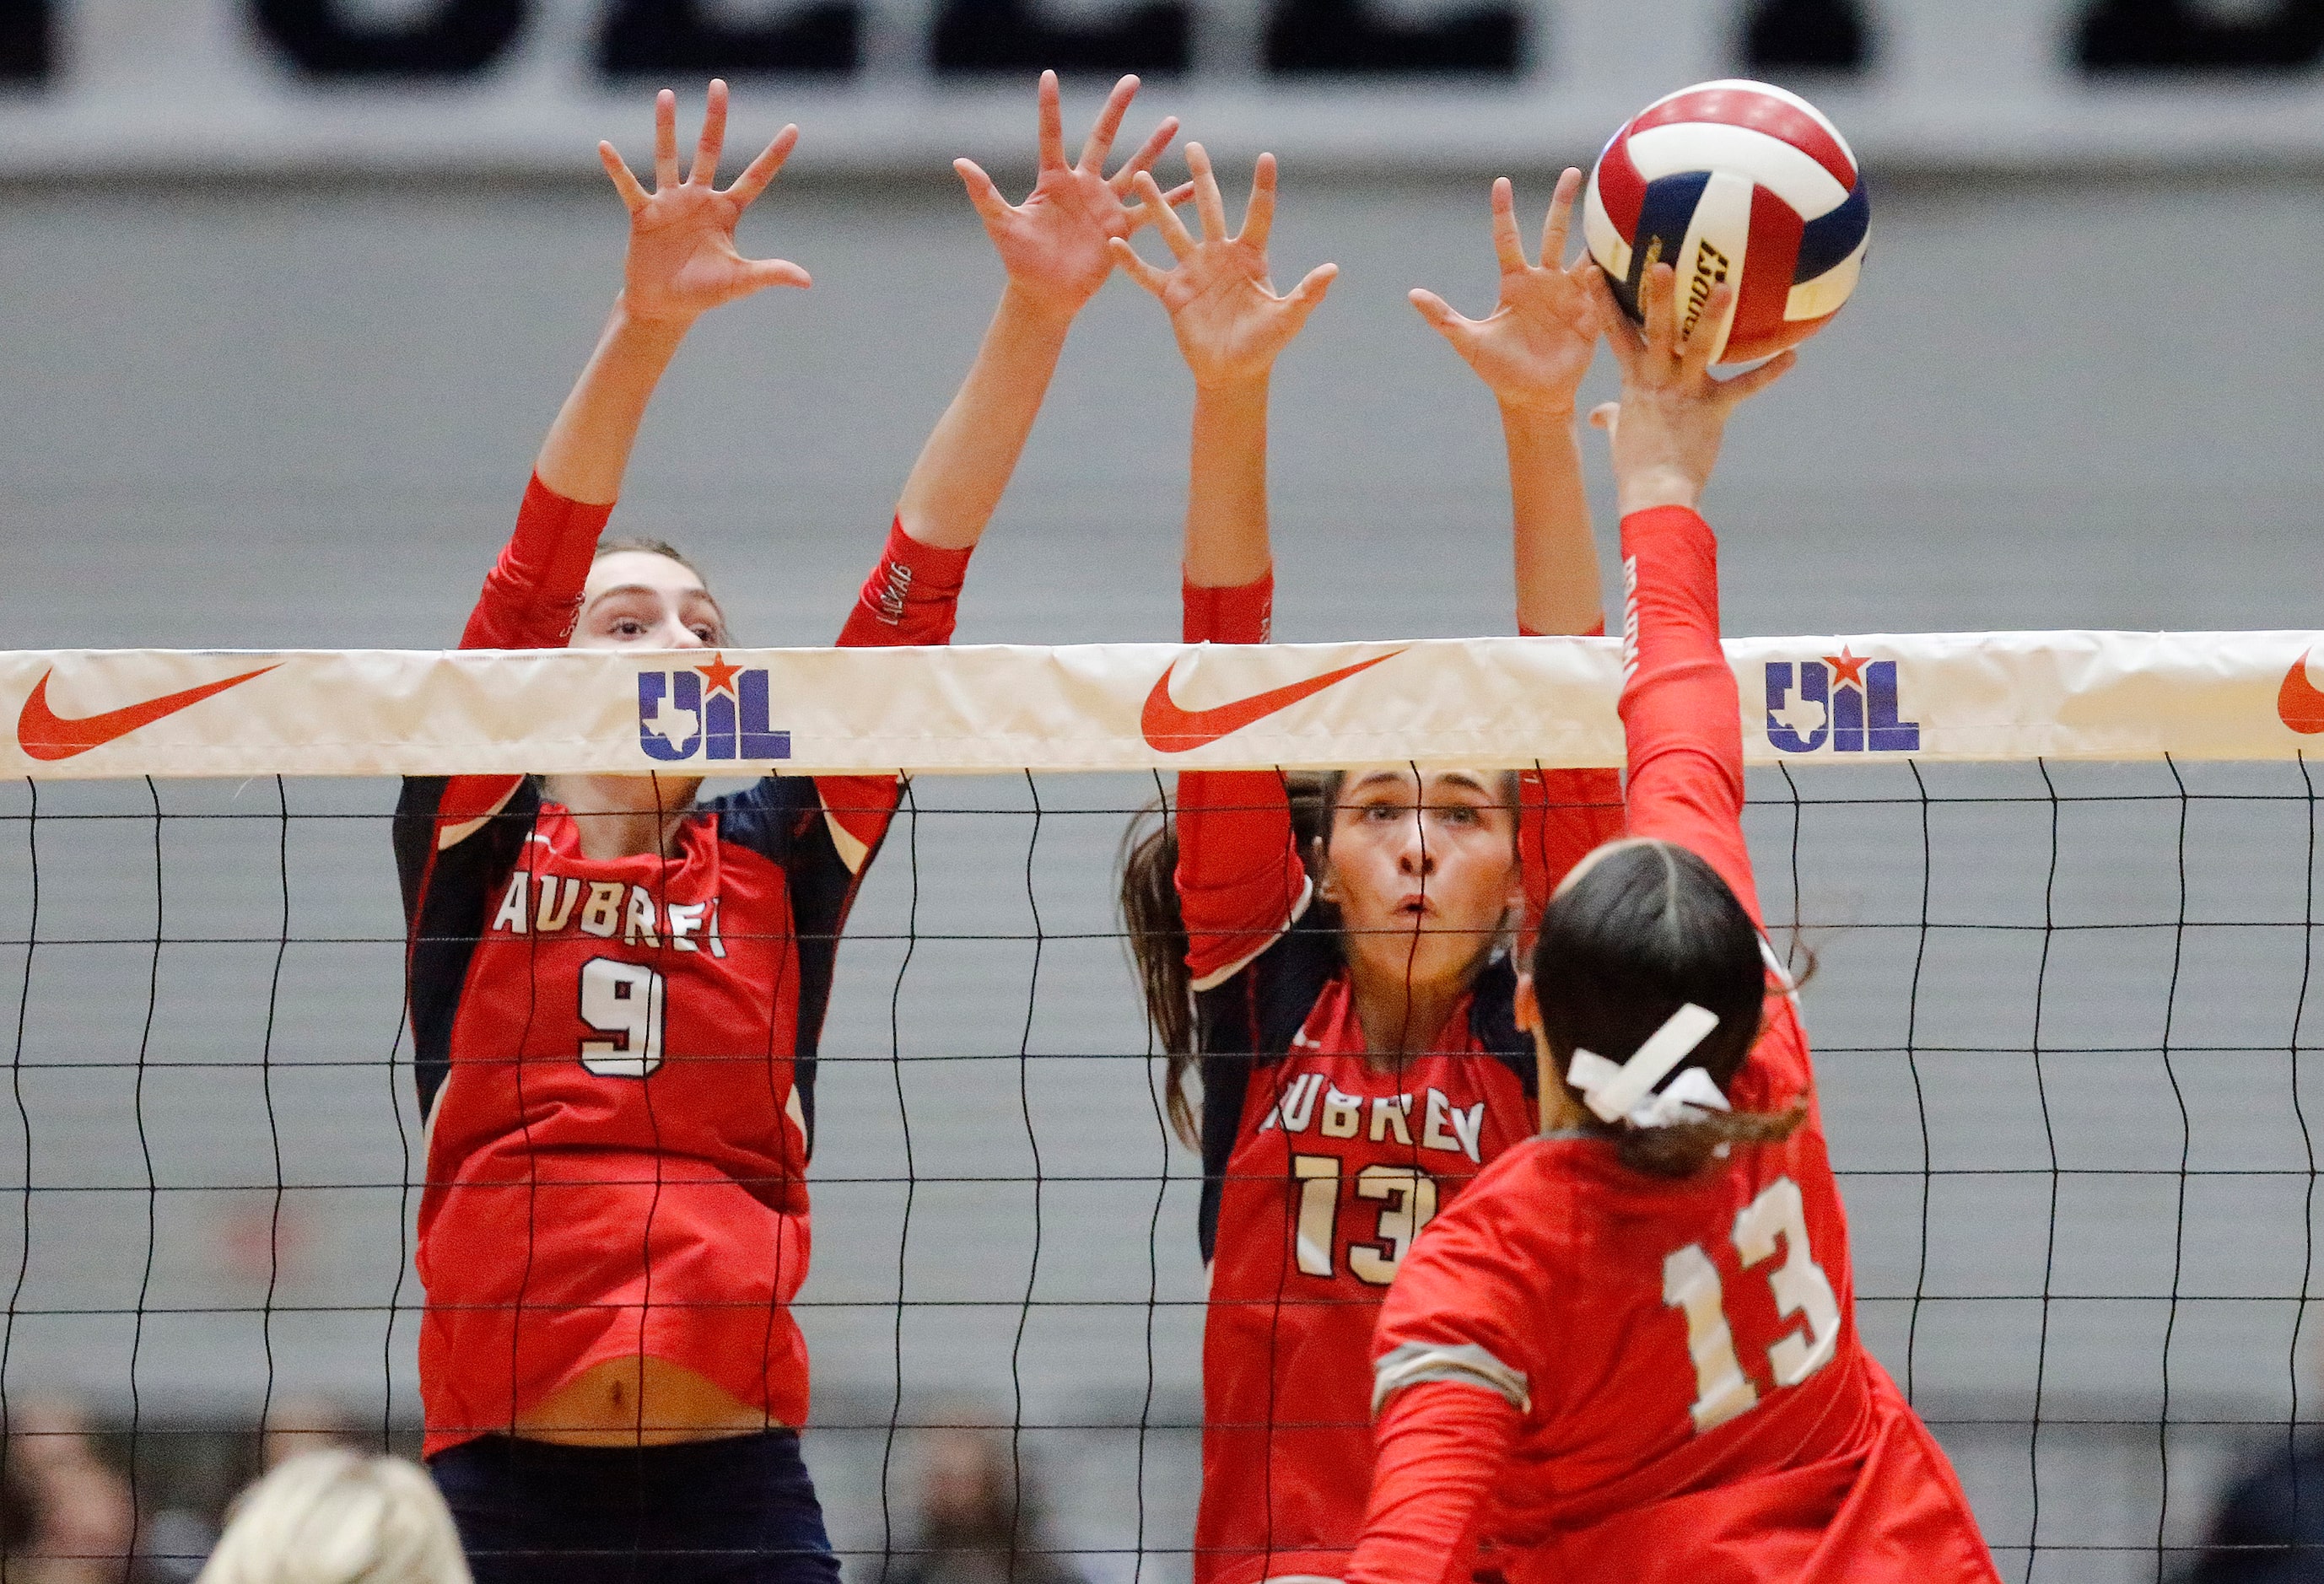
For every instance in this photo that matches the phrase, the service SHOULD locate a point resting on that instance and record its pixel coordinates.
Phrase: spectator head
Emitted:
(338, 1518)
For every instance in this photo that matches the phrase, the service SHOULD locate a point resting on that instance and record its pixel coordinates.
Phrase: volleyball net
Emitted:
(2061, 887)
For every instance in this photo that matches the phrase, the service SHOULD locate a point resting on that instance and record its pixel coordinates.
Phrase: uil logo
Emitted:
(1842, 700)
(710, 712)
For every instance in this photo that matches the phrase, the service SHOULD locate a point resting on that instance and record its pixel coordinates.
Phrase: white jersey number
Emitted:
(624, 999)
(1411, 1204)
(1691, 1286)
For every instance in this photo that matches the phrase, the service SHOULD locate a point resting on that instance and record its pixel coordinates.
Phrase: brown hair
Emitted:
(668, 552)
(1649, 928)
(1156, 928)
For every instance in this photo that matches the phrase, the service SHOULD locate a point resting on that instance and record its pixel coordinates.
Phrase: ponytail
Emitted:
(1156, 930)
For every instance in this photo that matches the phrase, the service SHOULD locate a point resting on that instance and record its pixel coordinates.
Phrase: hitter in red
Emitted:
(1629, 1351)
(617, 989)
(1342, 973)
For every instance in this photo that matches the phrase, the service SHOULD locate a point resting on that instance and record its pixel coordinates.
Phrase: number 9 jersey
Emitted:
(616, 1056)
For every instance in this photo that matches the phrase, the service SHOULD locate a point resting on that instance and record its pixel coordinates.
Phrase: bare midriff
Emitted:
(637, 1402)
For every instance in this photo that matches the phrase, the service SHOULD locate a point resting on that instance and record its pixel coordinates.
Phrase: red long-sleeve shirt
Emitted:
(616, 1056)
(1584, 1372)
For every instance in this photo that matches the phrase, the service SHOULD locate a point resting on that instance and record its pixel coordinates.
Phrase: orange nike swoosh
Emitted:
(2297, 703)
(1171, 730)
(43, 733)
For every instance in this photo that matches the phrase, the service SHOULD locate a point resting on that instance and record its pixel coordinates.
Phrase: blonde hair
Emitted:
(339, 1517)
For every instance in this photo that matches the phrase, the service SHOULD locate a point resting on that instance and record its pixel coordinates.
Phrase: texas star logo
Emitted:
(1844, 701)
(709, 712)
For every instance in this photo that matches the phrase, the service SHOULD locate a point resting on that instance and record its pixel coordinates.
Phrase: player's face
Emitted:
(635, 599)
(1423, 870)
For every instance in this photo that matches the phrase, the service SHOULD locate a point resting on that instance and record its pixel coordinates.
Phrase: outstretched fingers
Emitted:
(714, 135)
(1558, 225)
(1211, 208)
(1136, 268)
(1450, 324)
(1259, 214)
(1622, 335)
(665, 139)
(1102, 131)
(1507, 247)
(1751, 382)
(1141, 215)
(991, 206)
(1175, 234)
(761, 272)
(1701, 338)
(762, 171)
(1657, 289)
(1053, 123)
(1147, 152)
(1310, 292)
(633, 196)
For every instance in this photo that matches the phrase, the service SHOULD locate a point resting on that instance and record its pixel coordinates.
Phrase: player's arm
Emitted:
(1055, 247)
(681, 263)
(1453, 1379)
(1240, 881)
(1681, 715)
(1532, 352)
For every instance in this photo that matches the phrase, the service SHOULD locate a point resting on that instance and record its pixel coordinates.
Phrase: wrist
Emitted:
(1536, 410)
(1242, 385)
(1649, 487)
(1037, 310)
(628, 319)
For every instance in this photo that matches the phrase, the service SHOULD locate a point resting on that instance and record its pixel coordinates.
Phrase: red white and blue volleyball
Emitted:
(1735, 182)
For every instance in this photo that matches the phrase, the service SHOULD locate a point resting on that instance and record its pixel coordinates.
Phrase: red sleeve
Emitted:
(1681, 713)
(1437, 1448)
(912, 596)
(1240, 882)
(1562, 816)
(532, 594)
(530, 599)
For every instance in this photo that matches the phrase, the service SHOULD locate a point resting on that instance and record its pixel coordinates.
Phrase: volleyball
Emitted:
(1735, 182)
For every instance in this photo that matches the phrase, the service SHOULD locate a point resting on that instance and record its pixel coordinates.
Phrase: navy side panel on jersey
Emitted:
(445, 896)
(781, 818)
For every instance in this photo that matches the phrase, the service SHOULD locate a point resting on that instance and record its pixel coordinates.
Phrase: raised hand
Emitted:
(1533, 349)
(682, 261)
(1666, 429)
(1054, 245)
(1229, 322)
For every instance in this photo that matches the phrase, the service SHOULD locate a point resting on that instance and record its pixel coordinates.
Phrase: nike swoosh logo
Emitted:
(45, 734)
(2299, 704)
(1171, 730)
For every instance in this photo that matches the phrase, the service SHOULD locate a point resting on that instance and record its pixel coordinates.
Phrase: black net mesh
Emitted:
(2059, 1013)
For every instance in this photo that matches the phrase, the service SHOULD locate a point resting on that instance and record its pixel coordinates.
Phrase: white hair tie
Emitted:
(1626, 1090)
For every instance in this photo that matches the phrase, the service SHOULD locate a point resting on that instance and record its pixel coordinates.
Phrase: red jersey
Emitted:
(1320, 1167)
(616, 1057)
(1589, 1372)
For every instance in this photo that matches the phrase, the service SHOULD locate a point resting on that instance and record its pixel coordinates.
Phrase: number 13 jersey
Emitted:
(1337, 1165)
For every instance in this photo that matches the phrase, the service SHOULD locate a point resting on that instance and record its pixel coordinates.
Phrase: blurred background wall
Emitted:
(291, 289)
